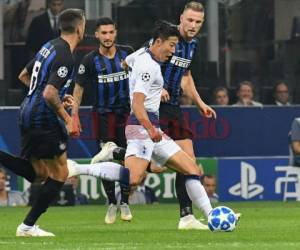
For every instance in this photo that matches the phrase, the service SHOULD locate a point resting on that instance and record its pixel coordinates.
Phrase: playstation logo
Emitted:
(247, 187)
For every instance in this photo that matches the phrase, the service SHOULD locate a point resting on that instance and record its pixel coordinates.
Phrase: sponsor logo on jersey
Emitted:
(68, 83)
(114, 77)
(180, 62)
(44, 52)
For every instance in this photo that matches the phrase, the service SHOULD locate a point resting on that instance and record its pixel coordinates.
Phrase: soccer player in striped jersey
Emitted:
(177, 75)
(102, 68)
(43, 121)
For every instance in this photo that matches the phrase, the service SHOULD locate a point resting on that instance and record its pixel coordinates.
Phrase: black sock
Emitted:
(184, 200)
(18, 166)
(124, 184)
(48, 193)
(119, 153)
(109, 187)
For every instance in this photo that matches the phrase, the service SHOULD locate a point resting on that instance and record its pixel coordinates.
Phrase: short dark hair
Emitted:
(51, 1)
(69, 19)
(245, 83)
(105, 21)
(209, 176)
(164, 30)
(218, 89)
(277, 83)
(195, 6)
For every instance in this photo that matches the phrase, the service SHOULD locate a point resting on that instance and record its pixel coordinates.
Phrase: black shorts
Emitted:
(43, 143)
(173, 122)
(110, 127)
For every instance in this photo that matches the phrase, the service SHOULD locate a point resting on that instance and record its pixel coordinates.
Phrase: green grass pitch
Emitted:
(264, 225)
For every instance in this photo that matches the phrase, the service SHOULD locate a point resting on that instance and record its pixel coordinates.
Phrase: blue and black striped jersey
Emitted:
(174, 69)
(110, 81)
(53, 64)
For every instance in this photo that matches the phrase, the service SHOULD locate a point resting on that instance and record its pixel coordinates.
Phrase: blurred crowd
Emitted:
(33, 22)
(244, 95)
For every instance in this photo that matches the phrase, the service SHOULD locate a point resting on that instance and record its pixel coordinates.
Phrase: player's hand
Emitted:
(207, 111)
(165, 95)
(68, 101)
(124, 65)
(153, 132)
(74, 128)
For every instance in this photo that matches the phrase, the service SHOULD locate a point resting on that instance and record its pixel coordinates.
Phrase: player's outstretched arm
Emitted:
(188, 86)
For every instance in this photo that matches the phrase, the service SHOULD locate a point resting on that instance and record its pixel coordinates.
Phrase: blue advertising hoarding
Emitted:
(238, 131)
(253, 179)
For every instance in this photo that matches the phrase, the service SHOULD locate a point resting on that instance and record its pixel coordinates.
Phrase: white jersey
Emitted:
(145, 77)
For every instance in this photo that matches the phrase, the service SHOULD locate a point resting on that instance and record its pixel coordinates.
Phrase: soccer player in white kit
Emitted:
(145, 140)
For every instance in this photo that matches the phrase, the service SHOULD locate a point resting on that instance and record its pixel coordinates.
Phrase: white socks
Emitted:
(198, 194)
(106, 170)
(109, 171)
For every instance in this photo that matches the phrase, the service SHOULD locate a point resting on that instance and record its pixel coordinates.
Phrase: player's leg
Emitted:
(105, 130)
(186, 165)
(138, 156)
(58, 173)
(121, 119)
(18, 166)
(22, 166)
(184, 201)
(109, 171)
(47, 149)
(173, 123)
(168, 153)
(137, 167)
(187, 218)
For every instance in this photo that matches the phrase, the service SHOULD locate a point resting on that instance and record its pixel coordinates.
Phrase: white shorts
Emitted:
(143, 147)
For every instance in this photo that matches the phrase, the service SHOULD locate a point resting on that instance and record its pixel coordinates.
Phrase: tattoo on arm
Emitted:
(52, 99)
(77, 94)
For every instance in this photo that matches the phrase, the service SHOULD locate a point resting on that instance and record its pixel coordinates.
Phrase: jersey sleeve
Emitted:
(130, 59)
(83, 75)
(193, 63)
(295, 131)
(144, 77)
(62, 67)
(29, 66)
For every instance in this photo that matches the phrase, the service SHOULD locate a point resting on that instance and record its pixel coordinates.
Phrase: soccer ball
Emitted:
(221, 219)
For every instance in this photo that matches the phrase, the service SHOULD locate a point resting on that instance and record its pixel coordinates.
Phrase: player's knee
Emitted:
(135, 180)
(194, 170)
(60, 173)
